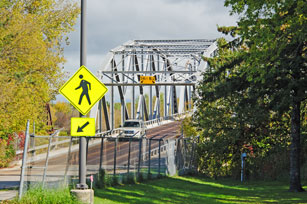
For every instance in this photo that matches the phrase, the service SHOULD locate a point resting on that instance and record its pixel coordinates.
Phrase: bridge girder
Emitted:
(176, 65)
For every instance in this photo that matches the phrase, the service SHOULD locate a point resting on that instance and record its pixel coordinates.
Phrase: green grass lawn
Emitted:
(200, 190)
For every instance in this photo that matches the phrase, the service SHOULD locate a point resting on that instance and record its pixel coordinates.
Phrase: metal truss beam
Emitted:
(176, 66)
(173, 52)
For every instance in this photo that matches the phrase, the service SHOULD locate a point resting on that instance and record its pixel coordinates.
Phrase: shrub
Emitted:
(140, 177)
(101, 180)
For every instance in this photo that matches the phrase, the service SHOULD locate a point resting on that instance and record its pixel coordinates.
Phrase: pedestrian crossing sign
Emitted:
(83, 90)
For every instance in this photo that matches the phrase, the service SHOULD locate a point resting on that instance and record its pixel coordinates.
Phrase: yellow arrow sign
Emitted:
(83, 90)
(82, 126)
(147, 79)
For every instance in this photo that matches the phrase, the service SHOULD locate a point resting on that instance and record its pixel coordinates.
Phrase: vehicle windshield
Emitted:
(131, 124)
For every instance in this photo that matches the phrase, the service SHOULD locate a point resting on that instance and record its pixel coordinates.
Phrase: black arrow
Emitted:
(80, 129)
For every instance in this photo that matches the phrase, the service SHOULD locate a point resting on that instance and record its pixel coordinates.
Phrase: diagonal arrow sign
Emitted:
(80, 129)
(82, 126)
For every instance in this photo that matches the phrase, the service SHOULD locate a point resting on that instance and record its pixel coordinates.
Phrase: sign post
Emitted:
(82, 142)
(83, 90)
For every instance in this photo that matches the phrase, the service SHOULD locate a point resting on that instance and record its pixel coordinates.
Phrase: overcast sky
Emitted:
(111, 23)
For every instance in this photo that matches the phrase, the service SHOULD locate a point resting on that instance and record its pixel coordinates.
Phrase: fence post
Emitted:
(159, 168)
(68, 159)
(101, 154)
(184, 153)
(24, 162)
(149, 155)
(140, 156)
(47, 159)
(129, 150)
(178, 155)
(115, 151)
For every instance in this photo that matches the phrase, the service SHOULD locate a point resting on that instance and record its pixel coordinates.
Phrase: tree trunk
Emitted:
(295, 177)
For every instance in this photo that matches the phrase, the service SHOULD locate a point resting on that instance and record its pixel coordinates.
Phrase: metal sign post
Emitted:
(82, 142)
(83, 90)
(243, 156)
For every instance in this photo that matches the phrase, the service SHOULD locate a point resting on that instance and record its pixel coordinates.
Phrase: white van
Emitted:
(133, 128)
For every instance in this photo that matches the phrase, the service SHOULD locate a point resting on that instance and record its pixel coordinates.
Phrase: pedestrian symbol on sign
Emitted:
(85, 85)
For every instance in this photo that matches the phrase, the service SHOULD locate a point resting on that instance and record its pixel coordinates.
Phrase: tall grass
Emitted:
(39, 195)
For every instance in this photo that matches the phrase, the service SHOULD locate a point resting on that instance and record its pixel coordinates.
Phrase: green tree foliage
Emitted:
(232, 121)
(258, 83)
(31, 32)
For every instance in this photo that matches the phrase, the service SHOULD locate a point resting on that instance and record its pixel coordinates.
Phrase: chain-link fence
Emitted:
(57, 162)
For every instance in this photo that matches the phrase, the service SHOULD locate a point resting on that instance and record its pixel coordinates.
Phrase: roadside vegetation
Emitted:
(39, 195)
(253, 96)
(31, 59)
(184, 189)
(199, 190)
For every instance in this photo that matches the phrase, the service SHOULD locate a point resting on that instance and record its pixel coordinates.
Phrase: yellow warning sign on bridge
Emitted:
(83, 90)
(147, 79)
(82, 126)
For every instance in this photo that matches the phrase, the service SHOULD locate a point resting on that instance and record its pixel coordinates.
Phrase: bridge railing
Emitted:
(148, 124)
(60, 143)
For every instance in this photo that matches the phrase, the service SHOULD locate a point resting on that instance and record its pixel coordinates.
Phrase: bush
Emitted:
(115, 181)
(102, 180)
(140, 177)
(131, 179)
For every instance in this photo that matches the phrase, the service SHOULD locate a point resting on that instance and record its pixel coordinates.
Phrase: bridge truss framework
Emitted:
(176, 66)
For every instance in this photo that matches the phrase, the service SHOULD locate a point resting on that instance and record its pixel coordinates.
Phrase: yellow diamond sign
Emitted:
(83, 90)
(82, 127)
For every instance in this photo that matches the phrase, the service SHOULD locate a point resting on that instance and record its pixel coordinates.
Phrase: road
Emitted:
(56, 166)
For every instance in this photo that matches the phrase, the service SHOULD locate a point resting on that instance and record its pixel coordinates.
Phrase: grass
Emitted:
(39, 195)
(200, 190)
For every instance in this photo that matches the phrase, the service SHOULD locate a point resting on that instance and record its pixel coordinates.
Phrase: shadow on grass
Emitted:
(199, 190)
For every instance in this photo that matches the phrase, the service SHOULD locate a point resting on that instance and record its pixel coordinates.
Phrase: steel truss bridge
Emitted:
(176, 66)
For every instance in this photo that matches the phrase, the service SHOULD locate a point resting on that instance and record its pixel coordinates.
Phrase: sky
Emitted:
(110, 23)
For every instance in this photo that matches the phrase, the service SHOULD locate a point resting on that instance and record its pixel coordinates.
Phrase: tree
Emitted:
(275, 32)
(234, 118)
(268, 67)
(31, 54)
